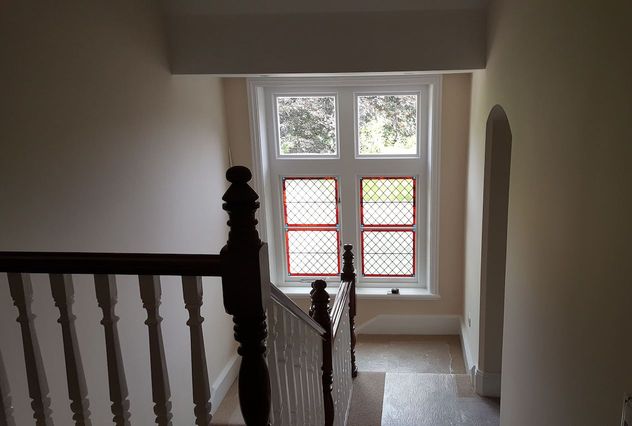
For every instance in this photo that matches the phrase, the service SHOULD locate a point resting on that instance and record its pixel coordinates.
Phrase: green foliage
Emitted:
(307, 125)
(392, 190)
(387, 124)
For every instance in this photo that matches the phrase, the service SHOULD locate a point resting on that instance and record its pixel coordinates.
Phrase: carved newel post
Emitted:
(246, 288)
(320, 312)
(348, 274)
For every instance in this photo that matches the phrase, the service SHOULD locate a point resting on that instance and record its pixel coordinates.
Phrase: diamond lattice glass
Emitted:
(310, 207)
(388, 253)
(388, 201)
(310, 201)
(312, 252)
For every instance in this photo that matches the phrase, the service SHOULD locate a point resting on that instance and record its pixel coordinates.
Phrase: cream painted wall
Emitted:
(454, 133)
(102, 149)
(237, 120)
(561, 70)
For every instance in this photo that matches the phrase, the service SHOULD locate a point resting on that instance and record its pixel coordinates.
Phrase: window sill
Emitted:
(379, 293)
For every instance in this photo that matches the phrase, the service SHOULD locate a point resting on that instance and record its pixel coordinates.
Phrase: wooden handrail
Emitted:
(202, 265)
(293, 308)
(246, 287)
(341, 300)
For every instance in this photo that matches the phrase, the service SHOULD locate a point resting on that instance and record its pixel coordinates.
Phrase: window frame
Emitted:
(263, 91)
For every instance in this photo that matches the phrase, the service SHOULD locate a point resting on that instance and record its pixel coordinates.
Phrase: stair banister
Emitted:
(246, 290)
(348, 275)
(320, 312)
(317, 363)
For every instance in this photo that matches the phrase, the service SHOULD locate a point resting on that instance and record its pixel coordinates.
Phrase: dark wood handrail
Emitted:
(202, 265)
(288, 304)
(341, 300)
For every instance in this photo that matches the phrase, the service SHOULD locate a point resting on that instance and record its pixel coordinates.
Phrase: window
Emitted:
(387, 124)
(387, 221)
(310, 213)
(348, 160)
(306, 125)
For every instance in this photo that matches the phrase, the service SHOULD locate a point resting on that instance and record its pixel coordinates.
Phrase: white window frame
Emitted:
(269, 166)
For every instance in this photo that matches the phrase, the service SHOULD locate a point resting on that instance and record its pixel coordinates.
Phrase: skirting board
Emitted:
(224, 381)
(487, 384)
(467, 354)
(412, 324)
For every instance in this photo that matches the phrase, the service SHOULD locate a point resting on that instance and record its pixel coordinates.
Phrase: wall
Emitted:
(493, 252)
(561, 72)
(454, 134)
(102, 149)
(320, 42)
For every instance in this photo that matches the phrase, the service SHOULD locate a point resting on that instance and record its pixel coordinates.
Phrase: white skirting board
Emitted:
(487, 384)
(412, 324)
(224, 381)
(467, 354)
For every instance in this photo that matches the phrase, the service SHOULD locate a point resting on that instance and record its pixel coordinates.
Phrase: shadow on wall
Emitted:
(6, 405)
(493, 251)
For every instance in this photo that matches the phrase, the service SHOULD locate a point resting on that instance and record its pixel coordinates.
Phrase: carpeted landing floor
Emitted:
(404, 381)
(415, 381)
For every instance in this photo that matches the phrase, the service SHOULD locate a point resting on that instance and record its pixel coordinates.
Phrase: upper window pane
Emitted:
(307, 125)
(387, 124)
(387, 201)
(310, 201)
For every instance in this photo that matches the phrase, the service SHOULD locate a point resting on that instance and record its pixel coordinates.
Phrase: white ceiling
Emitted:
(258, 7)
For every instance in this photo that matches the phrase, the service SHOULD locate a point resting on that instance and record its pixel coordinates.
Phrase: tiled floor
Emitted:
(425, 382)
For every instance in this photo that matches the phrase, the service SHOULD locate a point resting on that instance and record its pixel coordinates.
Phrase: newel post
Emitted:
(348, 274)
(320, 312)
(246, 289)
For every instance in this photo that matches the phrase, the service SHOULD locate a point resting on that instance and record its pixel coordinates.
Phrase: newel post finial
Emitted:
(319, 311)
(348, 271)
(349, 275)
(241, 204)
(246, 289)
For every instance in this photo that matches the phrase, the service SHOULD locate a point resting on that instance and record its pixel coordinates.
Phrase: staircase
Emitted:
(296, 369)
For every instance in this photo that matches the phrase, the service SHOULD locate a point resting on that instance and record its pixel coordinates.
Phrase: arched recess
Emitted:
(493, 251)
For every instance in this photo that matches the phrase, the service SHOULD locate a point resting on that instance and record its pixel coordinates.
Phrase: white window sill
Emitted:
(381, 293)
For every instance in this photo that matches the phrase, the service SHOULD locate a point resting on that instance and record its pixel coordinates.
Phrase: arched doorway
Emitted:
(493, 251)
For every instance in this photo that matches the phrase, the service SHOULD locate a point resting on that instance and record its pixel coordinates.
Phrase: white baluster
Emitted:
(298, 373)
(304, 366)
(295, 361)
(275, 386)
(282, 353)
(291, 336)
